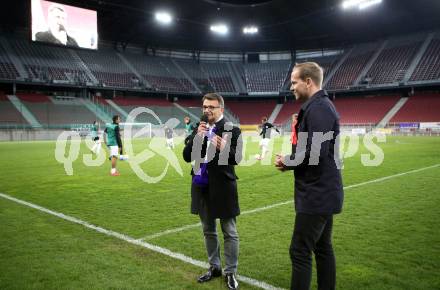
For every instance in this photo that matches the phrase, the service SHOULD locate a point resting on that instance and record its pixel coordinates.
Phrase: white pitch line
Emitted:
(391, 176)
(171, 231)
(180, 229)
(163, 251)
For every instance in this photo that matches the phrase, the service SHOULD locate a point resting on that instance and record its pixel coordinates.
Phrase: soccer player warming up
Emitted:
(113, 141)
(265, 134)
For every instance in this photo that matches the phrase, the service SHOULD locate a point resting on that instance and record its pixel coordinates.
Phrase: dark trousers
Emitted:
(312, 233)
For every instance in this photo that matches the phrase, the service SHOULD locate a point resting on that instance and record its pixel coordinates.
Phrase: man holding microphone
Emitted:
(215, 149)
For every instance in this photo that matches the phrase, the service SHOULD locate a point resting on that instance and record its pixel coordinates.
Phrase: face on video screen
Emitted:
(64, 25)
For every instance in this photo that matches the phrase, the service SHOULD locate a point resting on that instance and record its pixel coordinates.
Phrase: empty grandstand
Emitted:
(109, 69)
(390, 62)
(266, 77)
(419, 108)
(428, 68)
(170, 82)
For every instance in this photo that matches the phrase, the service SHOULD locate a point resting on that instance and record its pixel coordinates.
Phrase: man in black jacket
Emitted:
(215, 148)
(318, 183)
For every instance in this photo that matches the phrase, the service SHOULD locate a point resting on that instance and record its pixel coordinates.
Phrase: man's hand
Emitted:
(202, 129)
(218, 142)
(279, 163)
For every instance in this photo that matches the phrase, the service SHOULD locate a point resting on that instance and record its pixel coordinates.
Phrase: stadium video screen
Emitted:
(64, 25)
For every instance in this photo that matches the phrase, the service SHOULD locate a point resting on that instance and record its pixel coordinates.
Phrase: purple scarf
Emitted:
(201, 177)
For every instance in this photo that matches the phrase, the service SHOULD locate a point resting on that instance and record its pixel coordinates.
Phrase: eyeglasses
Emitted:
(209, 108)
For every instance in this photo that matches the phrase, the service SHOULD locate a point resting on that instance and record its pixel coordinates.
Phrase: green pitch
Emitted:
(386, 238)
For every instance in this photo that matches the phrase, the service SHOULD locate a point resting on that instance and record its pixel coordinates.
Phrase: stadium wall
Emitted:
(28, 135)
(9, 135)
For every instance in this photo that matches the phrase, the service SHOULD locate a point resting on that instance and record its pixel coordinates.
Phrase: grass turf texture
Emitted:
(386, 238)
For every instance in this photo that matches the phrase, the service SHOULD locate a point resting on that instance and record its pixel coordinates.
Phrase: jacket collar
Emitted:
(220, 122)
(318, 94)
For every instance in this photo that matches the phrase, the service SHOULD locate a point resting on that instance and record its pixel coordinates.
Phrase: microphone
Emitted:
(211, 133)
(204, 118)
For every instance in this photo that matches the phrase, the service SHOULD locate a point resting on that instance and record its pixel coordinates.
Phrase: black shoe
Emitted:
(231, 281)
(212, 273)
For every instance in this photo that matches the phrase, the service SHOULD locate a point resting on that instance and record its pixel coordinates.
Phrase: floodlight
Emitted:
(163, 17)
(219, 29)
(360, 4)
(250, 30)
(367, 4)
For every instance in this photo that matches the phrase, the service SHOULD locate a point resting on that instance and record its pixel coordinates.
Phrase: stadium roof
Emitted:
(282, 24)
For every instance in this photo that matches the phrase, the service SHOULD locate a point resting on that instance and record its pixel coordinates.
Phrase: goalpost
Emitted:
(139, 130)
